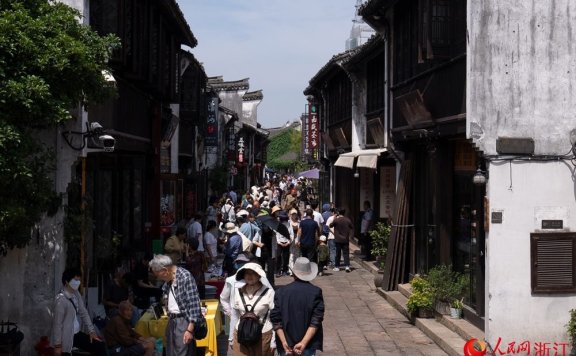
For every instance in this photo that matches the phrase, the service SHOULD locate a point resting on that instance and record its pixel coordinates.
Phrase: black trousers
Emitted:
(82, 341)
(282, 259)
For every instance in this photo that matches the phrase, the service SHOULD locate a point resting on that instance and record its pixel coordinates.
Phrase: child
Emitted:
(323, 254)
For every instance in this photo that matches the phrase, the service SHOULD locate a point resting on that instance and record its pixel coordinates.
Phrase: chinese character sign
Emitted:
(313, 128)
(212, 123)
(240, 148)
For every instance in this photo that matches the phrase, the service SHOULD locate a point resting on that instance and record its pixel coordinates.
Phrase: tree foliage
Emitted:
(287, 141)
(49, 64)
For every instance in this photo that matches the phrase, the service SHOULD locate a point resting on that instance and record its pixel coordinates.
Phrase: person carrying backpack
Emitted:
(253, 335)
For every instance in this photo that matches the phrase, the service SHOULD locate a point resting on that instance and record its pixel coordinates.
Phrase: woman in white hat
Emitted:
(258, 293)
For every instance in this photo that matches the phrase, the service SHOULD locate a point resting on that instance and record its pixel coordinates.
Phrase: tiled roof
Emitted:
(331, 63)
(374, 7)
(367, 48)
(253, 95)
(175, 11)
(218, 84)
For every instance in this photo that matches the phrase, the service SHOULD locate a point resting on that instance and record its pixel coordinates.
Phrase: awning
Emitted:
(366, 158)
(369, 161)
(345, 161)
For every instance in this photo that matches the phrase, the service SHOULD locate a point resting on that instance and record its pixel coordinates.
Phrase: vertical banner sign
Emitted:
(240, 148)
(305, 130)
(212, 123)
(313, 129)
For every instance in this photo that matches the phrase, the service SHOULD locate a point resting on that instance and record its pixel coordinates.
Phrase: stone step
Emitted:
(465, 329)
(396, 299)
(405, 289)
(450, 334)
(448, 340)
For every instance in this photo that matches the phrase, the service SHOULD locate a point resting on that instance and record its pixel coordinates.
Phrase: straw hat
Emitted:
(275, 209)
(305, 270)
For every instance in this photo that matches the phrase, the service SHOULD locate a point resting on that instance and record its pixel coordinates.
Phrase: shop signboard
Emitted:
(212, 123)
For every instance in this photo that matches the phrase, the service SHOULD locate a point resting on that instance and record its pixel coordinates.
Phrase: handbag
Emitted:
(200, 329)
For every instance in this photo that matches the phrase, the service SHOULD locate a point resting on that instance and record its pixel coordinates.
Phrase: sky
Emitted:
(279, 44)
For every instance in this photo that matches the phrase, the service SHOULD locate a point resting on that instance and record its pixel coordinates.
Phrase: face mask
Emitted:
(74, 284)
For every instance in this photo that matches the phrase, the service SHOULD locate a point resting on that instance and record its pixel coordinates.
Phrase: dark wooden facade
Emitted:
(444, 211)
(125, 186)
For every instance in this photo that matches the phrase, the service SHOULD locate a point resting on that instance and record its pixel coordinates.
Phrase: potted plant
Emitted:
(571, 330)
(447, 286)
(380, 236)
(456, 308)
(421, 301)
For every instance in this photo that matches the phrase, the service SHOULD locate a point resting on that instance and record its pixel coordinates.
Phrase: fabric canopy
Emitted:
(312, 174)
(366, 158)
(367, 161)
(345, 161)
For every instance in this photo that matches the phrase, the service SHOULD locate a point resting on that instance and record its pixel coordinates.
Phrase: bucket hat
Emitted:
(305, 270)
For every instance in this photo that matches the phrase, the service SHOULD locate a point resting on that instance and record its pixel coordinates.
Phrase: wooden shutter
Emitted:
(552, 262)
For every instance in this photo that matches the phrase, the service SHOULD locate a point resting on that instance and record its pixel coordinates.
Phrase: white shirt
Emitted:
(319, 219)
(265, 305)
(328, 222)
(211, 243)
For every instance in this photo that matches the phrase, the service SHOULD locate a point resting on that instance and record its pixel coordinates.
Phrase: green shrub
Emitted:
(422, 296)
(571, 327)
(380, 236)
(447, 284)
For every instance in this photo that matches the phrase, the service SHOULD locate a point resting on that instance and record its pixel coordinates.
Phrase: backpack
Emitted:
(250, 327)
(225, 217)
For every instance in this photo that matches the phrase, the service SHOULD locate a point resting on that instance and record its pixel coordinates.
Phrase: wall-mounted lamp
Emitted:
(480, 177)
(96, 133)
(356, 174)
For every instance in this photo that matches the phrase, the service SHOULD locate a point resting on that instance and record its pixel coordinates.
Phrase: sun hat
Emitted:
(275, 209)
(242, 212)
(293, 211)
(304, 270)
(253, 267)
(230, 228)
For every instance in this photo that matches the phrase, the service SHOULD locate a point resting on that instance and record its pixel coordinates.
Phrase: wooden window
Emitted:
(375, 84)
(552, 258)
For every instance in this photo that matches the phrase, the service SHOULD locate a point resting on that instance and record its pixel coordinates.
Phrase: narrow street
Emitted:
(358, 321)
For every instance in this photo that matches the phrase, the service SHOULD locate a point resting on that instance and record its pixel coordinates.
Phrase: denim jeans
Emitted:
(332, 248)
(307, 352)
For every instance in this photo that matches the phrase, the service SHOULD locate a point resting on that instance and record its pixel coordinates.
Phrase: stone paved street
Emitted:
(358, 321)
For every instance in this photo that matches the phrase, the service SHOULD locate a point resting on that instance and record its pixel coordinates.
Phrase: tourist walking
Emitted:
(298, 312)
(308, 235)
(254, 296)
(343, 232)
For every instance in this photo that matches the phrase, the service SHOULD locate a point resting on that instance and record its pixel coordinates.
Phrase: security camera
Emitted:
(108, 142)
(96, 128)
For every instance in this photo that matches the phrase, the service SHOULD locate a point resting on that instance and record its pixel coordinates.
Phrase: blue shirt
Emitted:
(308, 228)
(233, 246)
